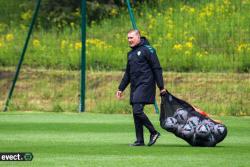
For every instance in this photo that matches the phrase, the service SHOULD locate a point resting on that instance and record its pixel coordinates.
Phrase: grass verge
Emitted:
(58, 91)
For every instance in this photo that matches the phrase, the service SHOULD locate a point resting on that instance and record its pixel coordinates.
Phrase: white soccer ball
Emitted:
(208, 122)
(170, 124)
(193, 121)
(181, 115)
(219, 130)
(202, 131)
(179, 129)
(187, 131)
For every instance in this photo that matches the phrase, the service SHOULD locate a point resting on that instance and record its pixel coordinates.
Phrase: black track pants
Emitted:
(140, 120)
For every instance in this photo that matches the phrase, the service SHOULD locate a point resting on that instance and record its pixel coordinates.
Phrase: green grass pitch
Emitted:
(68, 139)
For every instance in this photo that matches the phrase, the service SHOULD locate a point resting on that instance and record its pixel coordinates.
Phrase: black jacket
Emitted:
(143, 71)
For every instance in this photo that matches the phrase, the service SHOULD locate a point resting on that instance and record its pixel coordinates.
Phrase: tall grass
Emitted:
(188, 36)
(58, 91)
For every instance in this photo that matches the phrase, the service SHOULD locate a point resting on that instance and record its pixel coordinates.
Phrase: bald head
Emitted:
(134, 37)
(136, 32)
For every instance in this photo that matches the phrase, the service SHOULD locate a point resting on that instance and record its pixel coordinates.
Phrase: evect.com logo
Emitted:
(16, 156)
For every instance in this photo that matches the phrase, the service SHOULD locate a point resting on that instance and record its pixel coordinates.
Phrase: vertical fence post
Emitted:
(131, 14)
(22, 55)
(83, 58)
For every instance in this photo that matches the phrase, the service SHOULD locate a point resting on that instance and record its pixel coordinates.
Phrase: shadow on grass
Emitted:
(156, 145)
(168, 145)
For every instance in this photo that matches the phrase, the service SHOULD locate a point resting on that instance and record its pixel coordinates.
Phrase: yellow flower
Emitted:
(245, 2)
(97, 5)
(188, 9)
(63, 44)
(150, 26)
(36, 43)
(78, 45)
(77, 12)
(169, 23)
(23, 27)
(191, 38)
(241, 47)
(144, 33)
(9, 37)
(189, 45)
(113, 12)
(226, 2)
(207, 11)
(192, 10)
(93, 23)
(26, 15)
(183, 8)
(72, 24)
(198, 54)
(169, 36)
(150, 16)
(98, 43)
(187, 53)
(171, 10)
(177, 47)
(185, 32)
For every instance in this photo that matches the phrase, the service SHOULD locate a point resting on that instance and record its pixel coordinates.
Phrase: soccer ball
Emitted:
(193, 121)
(187, 131)
(209, 141)
(179, 129)
(219, 130)
(202, 131)
(209, 123)
(170, 124)
(181, 115)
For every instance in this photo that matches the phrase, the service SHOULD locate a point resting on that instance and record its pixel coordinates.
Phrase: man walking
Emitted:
(143, 72)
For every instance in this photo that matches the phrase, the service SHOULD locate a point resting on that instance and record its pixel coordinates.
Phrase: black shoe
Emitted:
(153, 138)
(137, 144)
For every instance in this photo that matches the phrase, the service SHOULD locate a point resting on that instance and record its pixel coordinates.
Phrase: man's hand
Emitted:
(163, 92)
(119, 94)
